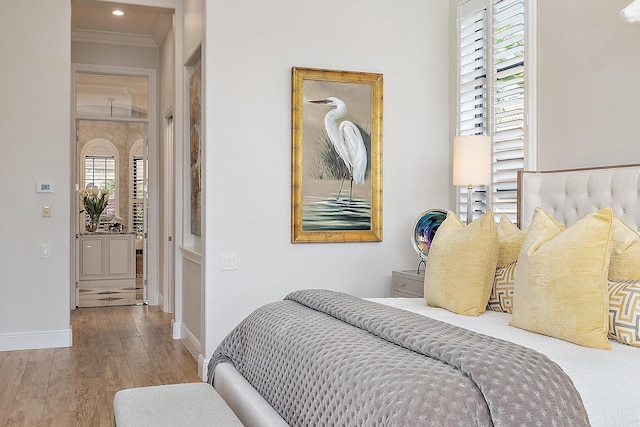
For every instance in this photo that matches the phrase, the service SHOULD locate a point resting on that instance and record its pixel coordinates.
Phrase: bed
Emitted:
(509, 376)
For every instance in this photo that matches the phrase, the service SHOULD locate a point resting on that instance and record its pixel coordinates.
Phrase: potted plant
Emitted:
(95, 201)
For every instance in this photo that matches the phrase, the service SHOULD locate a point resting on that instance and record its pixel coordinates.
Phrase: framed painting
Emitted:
(195, 150)
(336, 156)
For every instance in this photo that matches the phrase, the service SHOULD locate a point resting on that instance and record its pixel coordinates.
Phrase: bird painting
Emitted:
(631, 13)
(346, 139)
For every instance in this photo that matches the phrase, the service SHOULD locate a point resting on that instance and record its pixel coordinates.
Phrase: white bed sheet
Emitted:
(607, 380)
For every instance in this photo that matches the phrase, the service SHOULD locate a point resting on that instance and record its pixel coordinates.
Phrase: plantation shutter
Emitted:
(137, 196)
(491, 95)
(472, 92)
(508, 120)
(100, 171)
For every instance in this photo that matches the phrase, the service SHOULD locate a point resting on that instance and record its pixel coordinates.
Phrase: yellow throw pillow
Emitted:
(625, 256)
(461, 265)
(511, 238)
(561, 279)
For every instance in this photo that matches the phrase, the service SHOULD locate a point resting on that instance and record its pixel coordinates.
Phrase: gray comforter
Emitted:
(323, 358)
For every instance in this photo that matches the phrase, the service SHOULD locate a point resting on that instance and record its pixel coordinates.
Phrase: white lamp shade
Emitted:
(471, 160)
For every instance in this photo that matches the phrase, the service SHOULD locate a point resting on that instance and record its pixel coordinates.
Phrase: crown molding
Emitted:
(106, 37)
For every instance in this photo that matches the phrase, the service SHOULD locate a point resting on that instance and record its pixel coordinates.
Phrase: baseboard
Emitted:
(176, 328)
(203, 365)
(191, 342)
(161, 302)
(33, 340)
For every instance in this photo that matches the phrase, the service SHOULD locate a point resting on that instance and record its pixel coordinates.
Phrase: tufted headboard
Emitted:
(570, 194)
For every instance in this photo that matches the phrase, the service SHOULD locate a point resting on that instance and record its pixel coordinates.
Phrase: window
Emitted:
(100, 171)
(99, 160)
(137, 196)
(491, 95)
(102, 95)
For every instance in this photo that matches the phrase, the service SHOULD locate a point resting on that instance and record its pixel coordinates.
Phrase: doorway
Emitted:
(111, 258)
(113, 123)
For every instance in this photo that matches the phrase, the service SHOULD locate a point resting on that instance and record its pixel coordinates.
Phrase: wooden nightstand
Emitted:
(408, 284)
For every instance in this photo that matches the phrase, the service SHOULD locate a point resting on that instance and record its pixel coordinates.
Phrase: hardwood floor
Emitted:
(113, 348)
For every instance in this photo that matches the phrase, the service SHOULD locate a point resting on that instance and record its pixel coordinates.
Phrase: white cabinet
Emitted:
(107, 269)
(91, 257)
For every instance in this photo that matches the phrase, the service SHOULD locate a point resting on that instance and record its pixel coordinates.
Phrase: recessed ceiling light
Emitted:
(117, 12)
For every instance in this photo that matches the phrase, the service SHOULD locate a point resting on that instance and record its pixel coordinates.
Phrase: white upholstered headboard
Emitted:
(570, 194)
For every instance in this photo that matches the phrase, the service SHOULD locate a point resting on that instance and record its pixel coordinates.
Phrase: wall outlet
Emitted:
(228, 261)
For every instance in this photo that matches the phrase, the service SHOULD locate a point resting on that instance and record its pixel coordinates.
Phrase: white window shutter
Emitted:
(491, 95)
(472, 89)
(507, 104)
(137, 196)
(100, 171)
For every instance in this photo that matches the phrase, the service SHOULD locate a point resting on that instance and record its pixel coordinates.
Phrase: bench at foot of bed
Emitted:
(190, 404)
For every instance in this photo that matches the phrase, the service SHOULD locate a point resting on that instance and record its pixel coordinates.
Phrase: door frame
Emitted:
(168, 212)
(153, 174)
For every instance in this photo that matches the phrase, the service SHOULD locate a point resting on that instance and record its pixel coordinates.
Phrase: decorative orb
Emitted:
(425, 229)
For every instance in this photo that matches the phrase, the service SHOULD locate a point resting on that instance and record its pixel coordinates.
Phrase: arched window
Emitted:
(99, 160)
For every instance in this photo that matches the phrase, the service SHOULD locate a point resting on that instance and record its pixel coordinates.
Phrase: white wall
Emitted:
(34, 144)
(192, 316)
(588, 96)
(588, 84)
(248, 143)
(193, 17)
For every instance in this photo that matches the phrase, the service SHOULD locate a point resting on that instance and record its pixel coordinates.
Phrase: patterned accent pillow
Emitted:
(501, 298)
(624, 311)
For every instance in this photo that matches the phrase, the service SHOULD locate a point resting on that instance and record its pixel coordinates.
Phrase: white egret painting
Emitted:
(337, 127)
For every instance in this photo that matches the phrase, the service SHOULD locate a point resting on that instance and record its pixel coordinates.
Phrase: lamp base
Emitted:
(469, 205)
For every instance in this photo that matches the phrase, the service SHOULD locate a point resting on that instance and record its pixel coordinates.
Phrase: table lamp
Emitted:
(471, 164)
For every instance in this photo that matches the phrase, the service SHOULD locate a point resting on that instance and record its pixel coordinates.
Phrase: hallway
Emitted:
(113, 348)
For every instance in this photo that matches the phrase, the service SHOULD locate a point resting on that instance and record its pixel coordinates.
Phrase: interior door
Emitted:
(77, 207)
(169, 206)
(145, 221)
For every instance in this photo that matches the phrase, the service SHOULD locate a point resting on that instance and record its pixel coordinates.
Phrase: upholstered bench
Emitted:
(190, 404)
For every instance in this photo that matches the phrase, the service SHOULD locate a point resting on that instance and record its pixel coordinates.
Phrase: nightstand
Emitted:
(407, 283)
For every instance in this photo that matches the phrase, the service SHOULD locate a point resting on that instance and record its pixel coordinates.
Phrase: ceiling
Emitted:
(91, 20)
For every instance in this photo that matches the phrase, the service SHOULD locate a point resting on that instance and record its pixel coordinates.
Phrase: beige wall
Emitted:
(588, 84)
(114, 55)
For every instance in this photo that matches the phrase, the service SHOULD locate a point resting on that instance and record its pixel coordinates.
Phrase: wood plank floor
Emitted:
(113, 348)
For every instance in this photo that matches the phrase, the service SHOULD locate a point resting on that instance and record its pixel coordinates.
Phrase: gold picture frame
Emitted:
(336, 169)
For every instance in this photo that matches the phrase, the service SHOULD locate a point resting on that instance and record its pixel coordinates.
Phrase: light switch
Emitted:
(44, 250)
(46, 211)
(228, 261)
